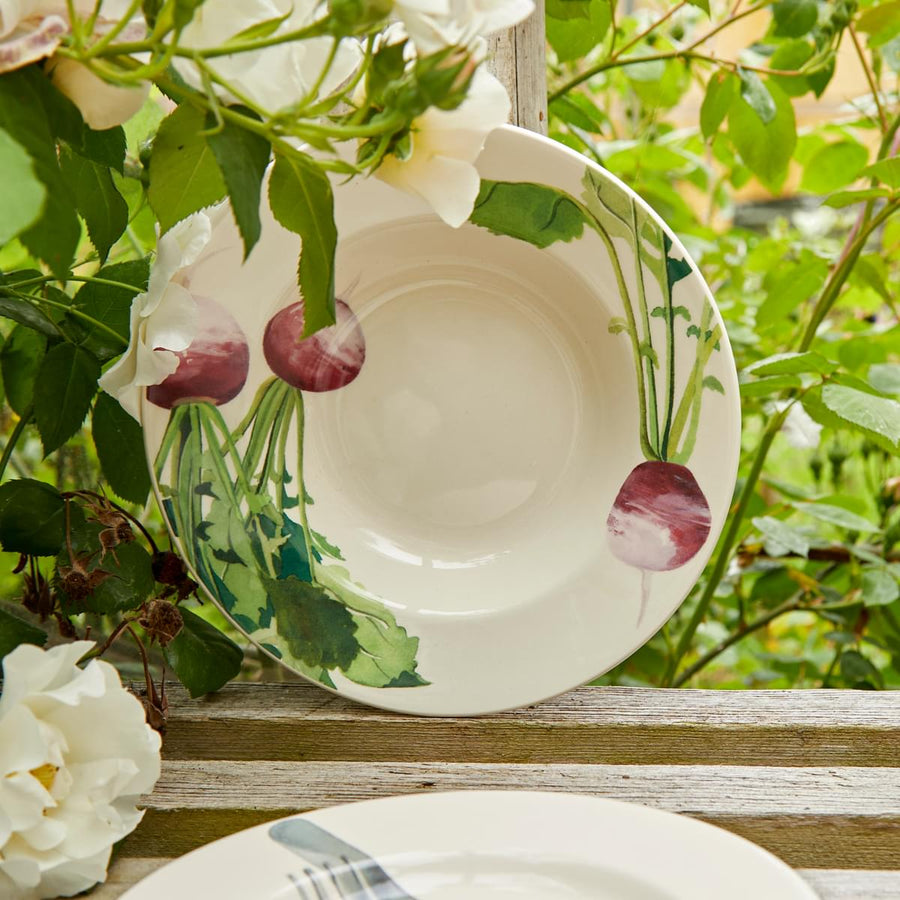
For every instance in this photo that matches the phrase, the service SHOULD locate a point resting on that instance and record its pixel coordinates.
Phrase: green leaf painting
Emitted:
(241, 516)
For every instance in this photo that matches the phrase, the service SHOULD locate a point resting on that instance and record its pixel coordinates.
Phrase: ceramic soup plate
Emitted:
(495, 477)
(479, 845)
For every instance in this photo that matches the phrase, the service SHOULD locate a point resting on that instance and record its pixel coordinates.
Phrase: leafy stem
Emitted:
(726, 545)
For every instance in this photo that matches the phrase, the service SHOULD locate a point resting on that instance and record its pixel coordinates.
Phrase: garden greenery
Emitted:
(802, 589)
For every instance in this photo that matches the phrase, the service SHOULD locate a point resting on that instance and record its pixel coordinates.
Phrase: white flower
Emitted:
(163, 318)
(102, 105)
(799, 429)
(434, 24)
(32, 29)
(276, 76)
(75, 754)
(445, 145)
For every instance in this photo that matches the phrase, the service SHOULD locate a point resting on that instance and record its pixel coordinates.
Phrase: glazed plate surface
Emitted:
(507, 464)
(477, 845)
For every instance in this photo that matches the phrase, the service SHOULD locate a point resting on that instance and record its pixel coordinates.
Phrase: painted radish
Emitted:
(213, 368)
(327, 360)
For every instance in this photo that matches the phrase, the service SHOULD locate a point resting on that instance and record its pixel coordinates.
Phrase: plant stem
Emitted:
(870, 77)
(841, 272)
(650, 28)
(18, 431)
(786, 607)
(115, 31)
(725, 546)
(614, 60)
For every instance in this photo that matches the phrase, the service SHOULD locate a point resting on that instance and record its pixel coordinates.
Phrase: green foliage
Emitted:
(203, 658)
(242, 157)
(805, 288)
(63, 390)
(184, 174)
(15, 631)
(301, 199)
(32, 517)
(120, 448)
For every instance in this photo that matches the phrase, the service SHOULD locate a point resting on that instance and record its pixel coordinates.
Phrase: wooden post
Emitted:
(518, 58)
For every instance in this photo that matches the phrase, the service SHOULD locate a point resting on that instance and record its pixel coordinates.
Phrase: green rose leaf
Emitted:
(301, 200)
(834, 166)
(54, 236)
(120, 448)
(184, 174)
(63, 390)
(720, 93)
(15, 631)
(242, 156)
(780, 537)
(316, 628)
(111, 305)
(837, 515)
(22, 311)
(794, 18)
(535, 213)
(572, 36)
(568, 9)
(857, 671)
(885, 377)
(106, 148)
(765, 147)
(22, 191)
(879, 587)
(770, 385)
(204, 659)
(756, 95)
(32, 517)
(848, 198)
(793, 364)
(102, 207)
(20, 359)
(887, 171)
(868, 412)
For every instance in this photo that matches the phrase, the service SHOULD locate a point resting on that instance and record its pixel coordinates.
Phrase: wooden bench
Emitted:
(813, 776)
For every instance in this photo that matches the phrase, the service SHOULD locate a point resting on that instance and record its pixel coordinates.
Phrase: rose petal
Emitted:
(24, 47)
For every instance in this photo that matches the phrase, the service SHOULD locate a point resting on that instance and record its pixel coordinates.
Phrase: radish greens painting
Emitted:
(660, 517)
(241, 516)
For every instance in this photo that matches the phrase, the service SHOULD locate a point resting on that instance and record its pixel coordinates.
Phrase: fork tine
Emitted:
(298, 885)
(313, 876)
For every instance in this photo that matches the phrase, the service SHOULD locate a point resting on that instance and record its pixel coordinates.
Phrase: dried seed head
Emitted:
(168, 568)
(162, 621)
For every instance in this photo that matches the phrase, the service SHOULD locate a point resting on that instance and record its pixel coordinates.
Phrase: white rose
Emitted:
(32, 29)
(75, 755)
(276, 76)
(102, 105)
(163, 318)
(434, 24)
(445, 145)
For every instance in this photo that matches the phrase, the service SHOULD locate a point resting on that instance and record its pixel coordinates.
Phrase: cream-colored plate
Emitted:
(479, 846)
(518, 445)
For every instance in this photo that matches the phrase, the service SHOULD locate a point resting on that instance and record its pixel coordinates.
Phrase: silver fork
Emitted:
(333, 867)
(345, 882)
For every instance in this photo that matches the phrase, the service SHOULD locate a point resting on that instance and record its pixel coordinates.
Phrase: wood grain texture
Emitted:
(518, 58)
(588, 725)
(811, 817)
(831, 884)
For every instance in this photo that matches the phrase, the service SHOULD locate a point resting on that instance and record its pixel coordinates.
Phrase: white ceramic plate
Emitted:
(517, 450)
(477, 845)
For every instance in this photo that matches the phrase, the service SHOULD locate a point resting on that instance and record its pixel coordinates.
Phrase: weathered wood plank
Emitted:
(812, 817)
(531, 72)
(518, 58)
(830, 884)
(588, 725)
